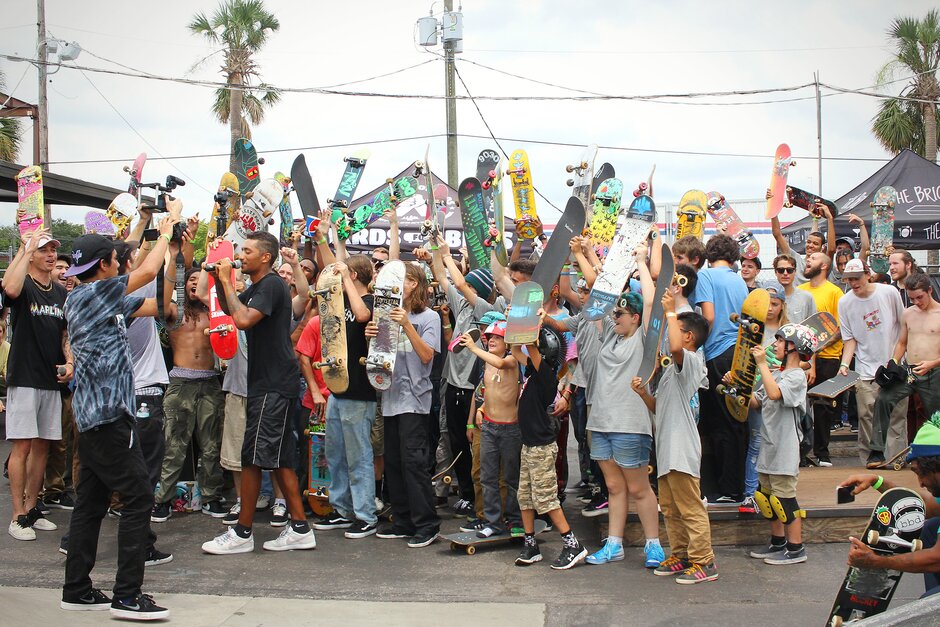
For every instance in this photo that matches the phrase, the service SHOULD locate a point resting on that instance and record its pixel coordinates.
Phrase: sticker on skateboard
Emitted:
(528, 225)
(221, 331)
(606, 212)
(882, 227)
(332, 309)
(690, 216)
(743, 368)
(31, 213)
(727, 220)
(473, 217)
(246, 165)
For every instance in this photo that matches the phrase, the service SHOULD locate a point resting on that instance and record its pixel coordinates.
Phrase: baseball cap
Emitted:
(87, 250)
(776, 290)
(847, 240)
(496, 328)
(46, 239)
(490, 317)
(854, 269)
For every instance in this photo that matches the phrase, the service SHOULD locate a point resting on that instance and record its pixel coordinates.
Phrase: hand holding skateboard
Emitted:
(399, 315)
(669, 302)
(760, 356)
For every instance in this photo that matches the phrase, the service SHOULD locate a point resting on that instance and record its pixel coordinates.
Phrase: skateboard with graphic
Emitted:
(97, 222)
(797, 197)
(468, 541)
(332, 310)
(606, 212)
(387, 199)
(728, 221)
(475, 227)
(778, 181)
(487, 170)
(226, 206)
(646, 187)
(221, 331)
(318, 471)
(583, 175)
(656, 331)
(121, 212)
(496, 237)
(136, 171)
(556, 251)
(522, 322)
(355, 166)
(620, 262)
(825, 327)
(256, 212)
(284, 209)
(743, 368)
(893, 529)
(306, 194)
(882, 227)
(832, 388)
(389, 293)
(31, 213)
(246, 165)
(528, 225)
(690, 216)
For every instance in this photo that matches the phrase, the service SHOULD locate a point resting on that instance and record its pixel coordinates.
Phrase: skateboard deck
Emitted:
(284, 209)
(255, 212)
(487, 171)
(743, 369)
(556, 251)
(136, 171)
(653, 340)
(457, 347)
(468, 541)
(496, 237)
(332, 311)
(121, 212)
(606, 212)
(826, 328)
(898, 462)
(778, 181)
(225, 207)
(528, 225)
(385, 200)
(690, 216)
(318, 471)
(620, 263)
(222, 333)
(522, 323)
(246, 162)
(882, 227)
(355, 166)
(306, 194)
(894, 528)
(797, 197)
(389, 292)
(583, 175)
(475, 227)
(831, 388)
(30, 214)
(727, 220)
(645, 187)
(98, 222)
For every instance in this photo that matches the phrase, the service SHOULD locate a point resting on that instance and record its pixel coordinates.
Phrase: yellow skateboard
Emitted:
(528, 225)
(743, 369)
(226, 206)
(690, 216)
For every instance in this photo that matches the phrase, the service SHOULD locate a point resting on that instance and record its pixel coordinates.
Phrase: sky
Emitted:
(621, 48)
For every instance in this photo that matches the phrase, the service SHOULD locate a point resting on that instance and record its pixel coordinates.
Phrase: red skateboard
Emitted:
(221, 331)
(778, 181)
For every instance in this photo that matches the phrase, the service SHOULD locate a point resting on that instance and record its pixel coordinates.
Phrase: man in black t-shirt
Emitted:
(40, 359)
(264, 312)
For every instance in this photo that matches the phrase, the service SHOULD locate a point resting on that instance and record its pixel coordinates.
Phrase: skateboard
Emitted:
(98, 222)
(807, 200)
(387, 199)
(31, 214)
(894, 528)
(898, 462)
(778, 181)
(475, 227)
(355, 166)
(136, 170)
(255, 211)
(318, 471)
(620, 263)
(225, 207)
(389, 292)
(583, 172)
(120, 213)
(882, 227)
(496, 238)
(457, 347)
(528, 225)
(743, 369)
(654, 334)
(188, 497)
(222, 333)
(831, 388)
(306, 194)
(556, 251)
(646, 187)
(727, 220)
(606, 212)
(690, 216)
(825, 327)
(522, 323)
(487, 170)
(329, 293)
(246, 162)
(284, 208)
(468, 541)
(443, 475)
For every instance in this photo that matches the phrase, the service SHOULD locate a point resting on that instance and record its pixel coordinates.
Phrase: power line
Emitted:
(673, 52)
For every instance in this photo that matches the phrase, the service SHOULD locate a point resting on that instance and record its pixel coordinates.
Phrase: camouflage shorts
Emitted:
(538, 484)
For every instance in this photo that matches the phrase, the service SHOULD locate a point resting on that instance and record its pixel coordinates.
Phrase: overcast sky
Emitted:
(623, 48)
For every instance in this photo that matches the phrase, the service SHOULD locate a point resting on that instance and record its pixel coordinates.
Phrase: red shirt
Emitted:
(309, 345)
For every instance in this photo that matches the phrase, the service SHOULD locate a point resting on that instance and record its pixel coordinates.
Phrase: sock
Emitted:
(778, 540)
(299, 526)
(615, 540)
(569, 540)
(529, 539)
(793, 548)
(280, 502)
(242, 531)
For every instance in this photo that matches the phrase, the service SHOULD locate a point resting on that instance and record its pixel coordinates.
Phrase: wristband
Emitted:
(843, 365)
(446, 326)
(321, 241)
(469, 427)
(672, 314)
(166, 236)
(878, 483)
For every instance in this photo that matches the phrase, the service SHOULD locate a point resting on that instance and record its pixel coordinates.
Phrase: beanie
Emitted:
(927, 441)
(482, 281)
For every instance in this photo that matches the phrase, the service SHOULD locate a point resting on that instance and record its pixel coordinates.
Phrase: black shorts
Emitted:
(270, 440)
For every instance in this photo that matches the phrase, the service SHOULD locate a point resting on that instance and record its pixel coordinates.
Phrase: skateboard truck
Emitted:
(874, 538)
(366, 361)
(355, 162)
(329, 362)
(222, 329)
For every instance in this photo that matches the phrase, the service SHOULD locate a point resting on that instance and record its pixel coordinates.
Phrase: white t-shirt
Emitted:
(678, 446)
(874, 323)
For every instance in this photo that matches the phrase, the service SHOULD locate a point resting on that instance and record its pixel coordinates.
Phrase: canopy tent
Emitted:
(916, 215)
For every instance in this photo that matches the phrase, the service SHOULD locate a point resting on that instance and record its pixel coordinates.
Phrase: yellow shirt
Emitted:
(827, 298)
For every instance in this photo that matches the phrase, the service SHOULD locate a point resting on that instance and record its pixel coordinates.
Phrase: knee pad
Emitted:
(762, 500)
(787, 509)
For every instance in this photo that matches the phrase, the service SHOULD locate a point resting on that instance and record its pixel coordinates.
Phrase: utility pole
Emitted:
(819, 130)
(450, 93)
(43, 117)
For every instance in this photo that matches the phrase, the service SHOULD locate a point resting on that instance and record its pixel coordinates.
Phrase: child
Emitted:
(538, 487)
(679, 449)
(500, 442)
(782, 400)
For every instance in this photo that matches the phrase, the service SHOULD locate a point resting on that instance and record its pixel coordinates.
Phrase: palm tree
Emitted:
(241, 28)
(9, 132)
(903, 124)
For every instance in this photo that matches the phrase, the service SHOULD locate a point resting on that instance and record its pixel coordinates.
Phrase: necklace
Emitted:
(44, 288)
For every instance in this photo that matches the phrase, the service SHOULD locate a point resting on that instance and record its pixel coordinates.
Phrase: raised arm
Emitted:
(647, 286)
(244, 317)
(831, 225)
(322, 237)
(16, 273)
(501, 277)
(656, 252)
(394, 239)
(672, 328)
(299, 302)
(864, 242)
(147, 271)
(356, 304)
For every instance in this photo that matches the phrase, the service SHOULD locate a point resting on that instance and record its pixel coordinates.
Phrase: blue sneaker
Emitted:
(654, 554)
(610, 552)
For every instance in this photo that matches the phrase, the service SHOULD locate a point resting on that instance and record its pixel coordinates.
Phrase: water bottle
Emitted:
(143, 412)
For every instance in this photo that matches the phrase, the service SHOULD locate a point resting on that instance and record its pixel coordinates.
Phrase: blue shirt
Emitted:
(104, 371)
(726, 291)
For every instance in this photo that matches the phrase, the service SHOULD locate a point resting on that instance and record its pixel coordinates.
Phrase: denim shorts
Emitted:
(629, 450)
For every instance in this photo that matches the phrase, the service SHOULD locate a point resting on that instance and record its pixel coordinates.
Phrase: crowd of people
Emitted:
(110, 384)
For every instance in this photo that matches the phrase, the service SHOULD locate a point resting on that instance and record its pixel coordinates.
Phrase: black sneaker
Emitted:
(333, 521)
(140, 607)
(391, 533)
(875, 459)
(214, 509)
(824, 462)
(161, 512)
(64, 545)
(569, 556)
(422, 540)
(549, 525)
(94, 601)
(115, 513)
(43, 507)
(463, 507)
(58, 501)
(474, 524)
(361, 529)
(530, 554)
(597, 506)
(156, 557)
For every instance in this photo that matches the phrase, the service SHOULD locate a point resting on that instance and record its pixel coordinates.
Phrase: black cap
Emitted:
(87, 250)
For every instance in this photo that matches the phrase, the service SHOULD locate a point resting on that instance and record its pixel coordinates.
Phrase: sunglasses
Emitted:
(784, 270)
(378, 263)
(617, 313)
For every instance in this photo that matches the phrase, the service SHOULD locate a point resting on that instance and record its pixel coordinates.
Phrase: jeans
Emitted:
(406, 472)
(500, 445)
(929, 537)
(754, 421)
(349, 456)
(457, 407)
(578, 415)
(111, 460)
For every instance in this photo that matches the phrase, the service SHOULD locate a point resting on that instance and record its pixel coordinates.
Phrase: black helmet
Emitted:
(803, 338)
(552, 346)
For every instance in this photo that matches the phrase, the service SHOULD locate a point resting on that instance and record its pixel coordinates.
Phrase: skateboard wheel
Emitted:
(447, 479)
(721, 389)
(569, 168)
(793, 163)
(362, 361)
(387, 365)
(649, 469)
(681, 280)
(665, 361)
(836, 621)
(395, 289)
(643, 186)
(916, 544)
(898, 465)
(206, 332)
(740, 400)
(341, 363)
(389, 181)
(334, 289)
(734, 317)
(570, 182)
(471, 550)
(872, 537)
(306, 493)
(755, 328)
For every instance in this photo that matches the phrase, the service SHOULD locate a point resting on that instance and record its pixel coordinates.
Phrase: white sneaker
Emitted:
(21, 533)
(290, 540)
(229, 542)
(379, 504)
(263, 503)
(44, 524)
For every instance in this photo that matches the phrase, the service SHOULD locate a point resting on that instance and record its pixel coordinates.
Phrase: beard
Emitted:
(809, 272)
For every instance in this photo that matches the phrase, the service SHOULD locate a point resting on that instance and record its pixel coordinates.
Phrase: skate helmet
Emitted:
(552, 346)
(804, 339)
(496, 328)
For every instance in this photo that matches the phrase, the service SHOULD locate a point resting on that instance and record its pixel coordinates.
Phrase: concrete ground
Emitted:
(370, 580)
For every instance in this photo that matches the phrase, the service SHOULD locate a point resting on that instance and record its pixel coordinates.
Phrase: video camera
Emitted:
(162, 193)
